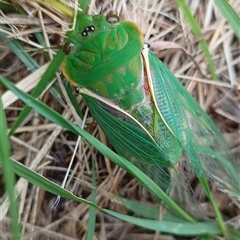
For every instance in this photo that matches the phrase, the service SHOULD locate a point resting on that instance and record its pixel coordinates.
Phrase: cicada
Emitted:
(144, 110)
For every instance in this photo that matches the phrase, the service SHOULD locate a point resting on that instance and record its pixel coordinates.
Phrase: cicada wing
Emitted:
(133, 142)
(202, 142)
(128, 137)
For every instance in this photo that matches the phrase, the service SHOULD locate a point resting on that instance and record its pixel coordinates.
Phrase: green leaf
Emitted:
(183, 229)
(45, 80)
(16, 47)
(229, 14)
(8, 174)
(92, 211)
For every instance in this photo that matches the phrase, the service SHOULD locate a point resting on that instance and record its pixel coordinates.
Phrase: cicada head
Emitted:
(100, 53)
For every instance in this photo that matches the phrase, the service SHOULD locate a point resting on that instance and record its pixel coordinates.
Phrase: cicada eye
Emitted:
(112, 17)
(67, 47)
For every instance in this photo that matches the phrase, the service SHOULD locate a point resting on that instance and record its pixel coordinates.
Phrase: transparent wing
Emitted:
(202, 142)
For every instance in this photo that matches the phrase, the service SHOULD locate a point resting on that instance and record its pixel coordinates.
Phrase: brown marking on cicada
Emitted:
(109, 78)
(146, 85)
(121, 70)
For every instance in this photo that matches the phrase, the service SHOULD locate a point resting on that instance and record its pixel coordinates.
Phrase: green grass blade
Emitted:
(184, 229)
(207, 191)
(73, 98)
(141, 209)
(16, 47)
(147, 211)
(60, 6)
(8, 174)
(229, 14)
(92, 211)
(6, 7)
(45, 80)
(197, 31)
(46, 184)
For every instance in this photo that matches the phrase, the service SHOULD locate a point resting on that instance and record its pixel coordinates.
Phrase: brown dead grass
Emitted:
(48, 149)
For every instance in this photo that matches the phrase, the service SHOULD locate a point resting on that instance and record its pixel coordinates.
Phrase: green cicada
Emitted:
(145, 112)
